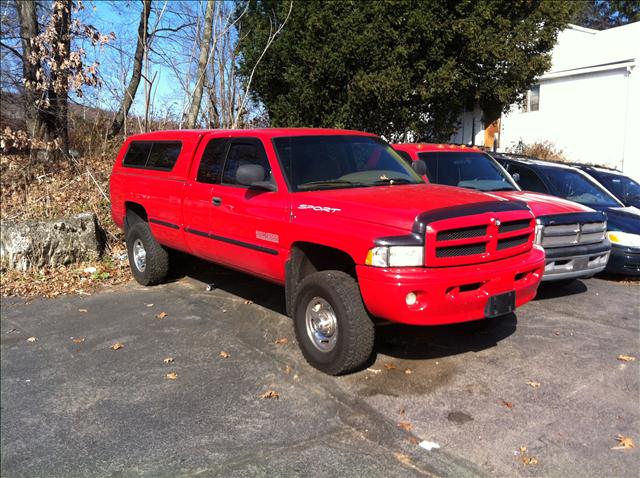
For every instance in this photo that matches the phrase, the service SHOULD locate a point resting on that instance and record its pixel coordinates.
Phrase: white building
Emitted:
(587, 104)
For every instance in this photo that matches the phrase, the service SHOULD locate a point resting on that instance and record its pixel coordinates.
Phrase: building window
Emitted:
(532, 102)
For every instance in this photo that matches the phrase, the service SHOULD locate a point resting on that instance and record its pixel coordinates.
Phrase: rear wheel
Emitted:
(331, 323)
(149, 261)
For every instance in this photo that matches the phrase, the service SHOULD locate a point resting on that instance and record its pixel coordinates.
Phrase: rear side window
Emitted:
(245, 151)
(529, 180)
(404, 155)
(159, 155)
(210, 169)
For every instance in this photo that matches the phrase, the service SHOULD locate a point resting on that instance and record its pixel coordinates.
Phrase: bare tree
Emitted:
(132, 88)
(205, 48)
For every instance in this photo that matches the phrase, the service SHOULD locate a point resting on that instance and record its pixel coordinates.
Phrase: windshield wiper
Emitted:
(328, 183)
(393, 181)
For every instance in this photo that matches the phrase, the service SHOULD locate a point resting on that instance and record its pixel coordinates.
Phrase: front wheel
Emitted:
(332, 326)
(149, 261)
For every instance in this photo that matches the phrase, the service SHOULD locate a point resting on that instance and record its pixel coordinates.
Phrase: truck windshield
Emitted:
(341, 161)
(472, 170)
(572, 185)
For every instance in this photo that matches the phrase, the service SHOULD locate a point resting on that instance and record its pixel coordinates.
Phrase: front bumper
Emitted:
(575, 261)
(624, 260)
(448, 295)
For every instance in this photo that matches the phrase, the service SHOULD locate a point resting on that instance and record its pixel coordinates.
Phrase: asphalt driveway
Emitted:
(538, 394)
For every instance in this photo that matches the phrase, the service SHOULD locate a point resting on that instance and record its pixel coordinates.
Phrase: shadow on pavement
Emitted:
(555, 289)
(258, 291)
(417, 343)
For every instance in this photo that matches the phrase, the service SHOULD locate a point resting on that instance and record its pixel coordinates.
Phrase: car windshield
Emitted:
(341, 161)
(572, 185)
(622, 186)
(472, 170)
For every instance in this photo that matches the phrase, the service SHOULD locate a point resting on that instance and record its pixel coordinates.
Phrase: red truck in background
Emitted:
(349, 229)
(573, 235)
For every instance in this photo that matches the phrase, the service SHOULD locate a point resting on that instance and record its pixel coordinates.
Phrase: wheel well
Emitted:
(307, 258)
(135, 213)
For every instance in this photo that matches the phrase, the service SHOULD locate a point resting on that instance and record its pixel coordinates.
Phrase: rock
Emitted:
(29, 244)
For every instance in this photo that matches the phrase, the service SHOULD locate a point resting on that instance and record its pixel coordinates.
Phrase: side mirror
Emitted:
(516, 177)
(252, 175)
(419, 167)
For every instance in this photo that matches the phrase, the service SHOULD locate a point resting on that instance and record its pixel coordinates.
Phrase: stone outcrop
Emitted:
(29, 244)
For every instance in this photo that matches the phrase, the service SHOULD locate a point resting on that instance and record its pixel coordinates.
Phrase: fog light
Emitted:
(411, 298)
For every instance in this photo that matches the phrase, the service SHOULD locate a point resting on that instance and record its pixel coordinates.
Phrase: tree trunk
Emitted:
(138, 58)
(59, 91)
(194, 110)
(29, 29)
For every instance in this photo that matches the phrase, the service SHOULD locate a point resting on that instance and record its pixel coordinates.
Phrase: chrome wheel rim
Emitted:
(139, 255)
(322, 324)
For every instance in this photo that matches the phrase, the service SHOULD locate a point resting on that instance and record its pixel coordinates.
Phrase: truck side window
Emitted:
(529, 180)
(160, 155)
(210, 169)
(245, 151)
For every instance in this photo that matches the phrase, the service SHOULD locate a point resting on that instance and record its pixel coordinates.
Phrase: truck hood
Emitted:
(394, 206)
(543, 204)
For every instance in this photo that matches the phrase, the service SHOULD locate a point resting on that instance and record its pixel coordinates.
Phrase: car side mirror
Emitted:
(252, 175)
(516, 177)
(420, 167)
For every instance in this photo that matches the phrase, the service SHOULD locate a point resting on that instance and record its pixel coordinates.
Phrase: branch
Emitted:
(271, 39)
(12, 50)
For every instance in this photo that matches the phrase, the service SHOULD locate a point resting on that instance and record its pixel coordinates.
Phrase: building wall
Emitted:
(590, 117)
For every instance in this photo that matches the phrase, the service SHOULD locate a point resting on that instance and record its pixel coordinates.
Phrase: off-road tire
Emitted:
(157, 258)
(354, 343)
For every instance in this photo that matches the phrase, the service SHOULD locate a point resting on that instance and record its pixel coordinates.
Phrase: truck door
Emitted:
(197, 206)
(247, 224)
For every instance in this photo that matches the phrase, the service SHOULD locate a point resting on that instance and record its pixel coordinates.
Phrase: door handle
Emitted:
(216, 201)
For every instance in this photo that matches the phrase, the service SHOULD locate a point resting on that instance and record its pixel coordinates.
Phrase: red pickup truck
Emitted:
(337, 217)
(573, 235)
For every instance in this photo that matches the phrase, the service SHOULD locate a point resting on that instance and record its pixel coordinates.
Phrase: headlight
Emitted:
(625, 239)
(395, 256)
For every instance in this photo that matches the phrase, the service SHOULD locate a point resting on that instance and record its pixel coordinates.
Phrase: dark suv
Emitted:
(623, 223)
(622, 187)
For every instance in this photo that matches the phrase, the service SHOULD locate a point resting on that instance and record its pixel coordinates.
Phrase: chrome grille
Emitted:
(573, 234)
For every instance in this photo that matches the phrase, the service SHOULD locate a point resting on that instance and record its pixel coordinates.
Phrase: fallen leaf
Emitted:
(626, 358)
(401, 411)
(224, 354)
(288, 369)
(624, 443)
(172, 375)
(168, 360)
(405, 426)
(117, 346)
(78, 340)
(401, 457)
(408, 371)
(413, 440)
(281, 341)
(523, 449)
(533, 384)
(270, 394)
(83, 310)
(32, 339)
(161, 315)
(529, 460)
(509, 405)
(390, 366)
(247, 302)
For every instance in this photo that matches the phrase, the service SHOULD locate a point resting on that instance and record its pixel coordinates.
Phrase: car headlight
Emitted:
(395, 256)
(625, 239)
